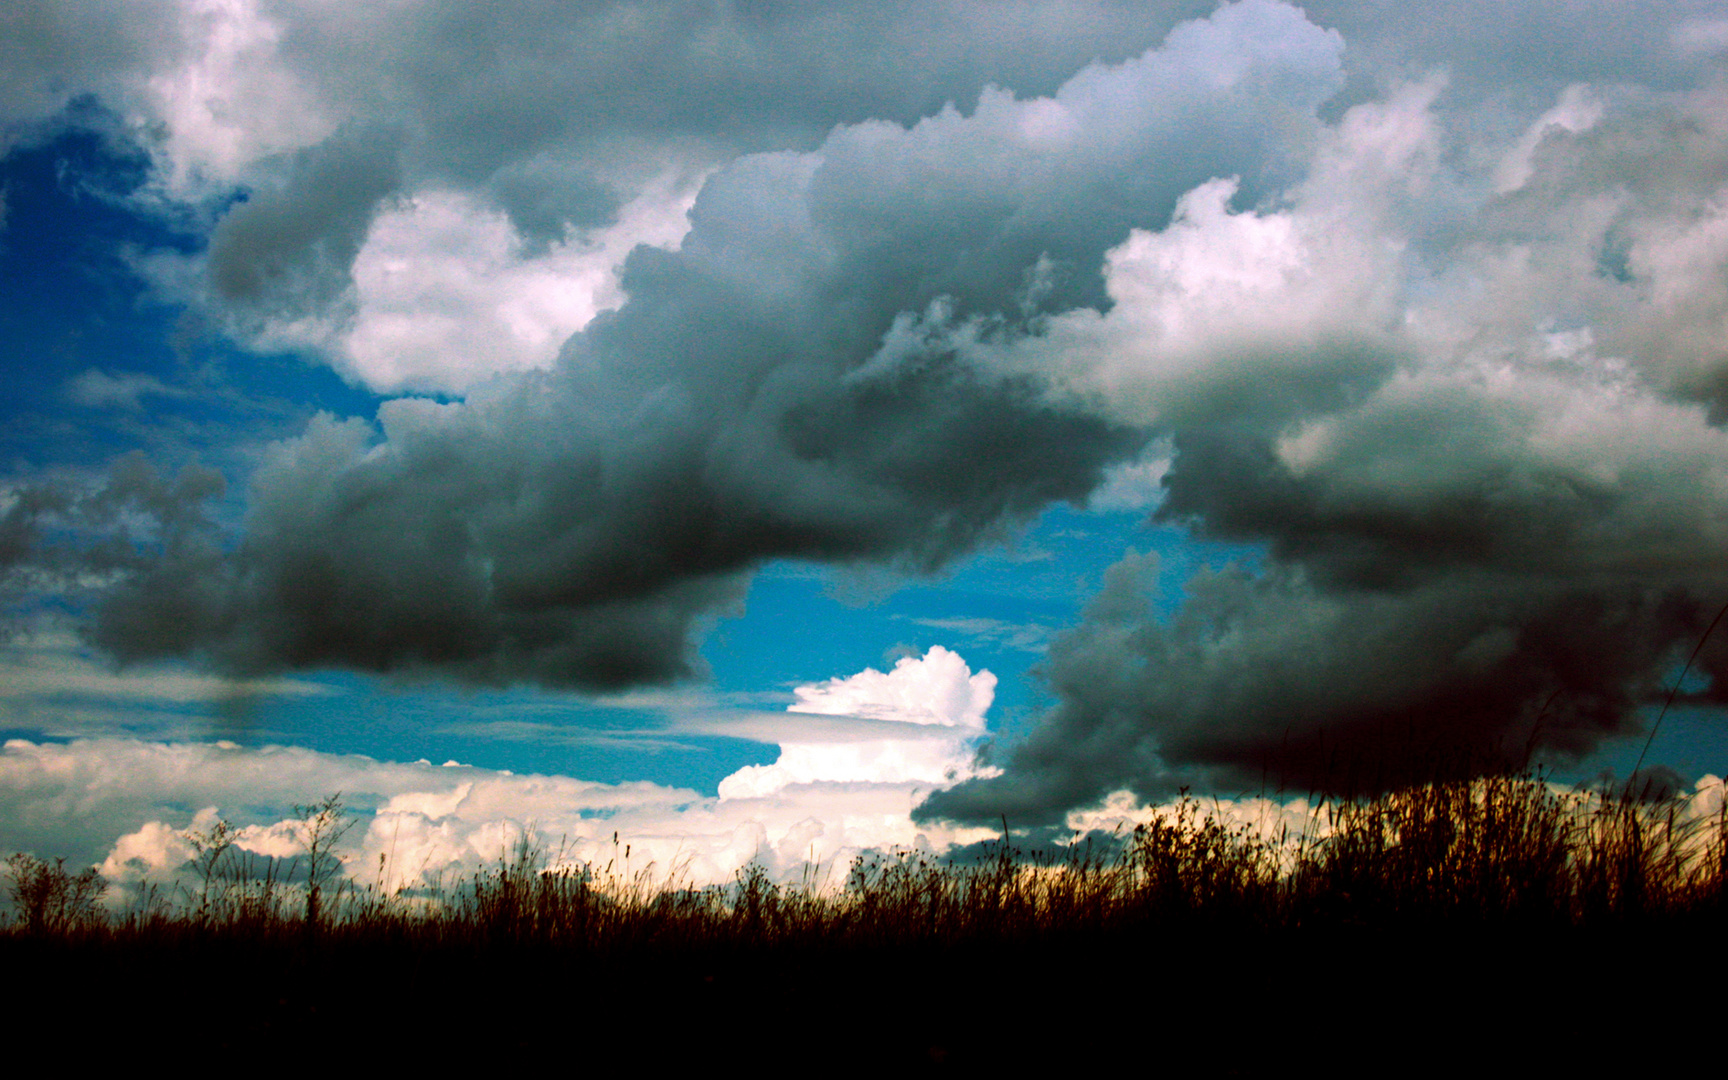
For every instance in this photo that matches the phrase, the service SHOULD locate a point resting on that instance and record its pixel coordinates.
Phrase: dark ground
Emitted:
(1206, 999)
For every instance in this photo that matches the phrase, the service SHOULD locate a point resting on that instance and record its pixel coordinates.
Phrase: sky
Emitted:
(778, 431)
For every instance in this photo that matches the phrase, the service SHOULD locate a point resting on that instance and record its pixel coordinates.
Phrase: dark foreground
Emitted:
(1483, 927)
(1192, 998)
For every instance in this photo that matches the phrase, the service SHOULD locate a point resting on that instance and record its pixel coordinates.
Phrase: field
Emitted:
(1424, 917)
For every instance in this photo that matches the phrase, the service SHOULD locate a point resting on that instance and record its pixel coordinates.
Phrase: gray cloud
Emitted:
(50, 53)
(96, 389)
(1505, 541)
(555, 111)
(757, 397)
(292, 245)
(1532, 47)
(75, 539)
(1272, 680)
(532, 97)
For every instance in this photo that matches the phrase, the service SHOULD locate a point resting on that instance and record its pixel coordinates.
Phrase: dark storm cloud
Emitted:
(20, 526)
(755, 398)
(1269, 680)
(1507, 544)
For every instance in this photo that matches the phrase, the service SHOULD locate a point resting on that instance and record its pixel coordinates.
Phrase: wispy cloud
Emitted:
(57, 667)
(99, 390)
(1025, 637)
(843, 782)
(548, 733)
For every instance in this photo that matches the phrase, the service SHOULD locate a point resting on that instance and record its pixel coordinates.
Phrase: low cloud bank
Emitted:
(120, 804)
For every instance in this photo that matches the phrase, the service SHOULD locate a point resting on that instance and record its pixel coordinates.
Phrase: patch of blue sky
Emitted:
(97, 361)
(1688, 737)
(1691, 741)
(522, 730)
(998, 609)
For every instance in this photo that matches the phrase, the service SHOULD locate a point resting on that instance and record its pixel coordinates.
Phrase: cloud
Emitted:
(447, 292)
(285, 252)
(74, 799)
(95, 389)
(758, 396)
(1490, 476)
(554, 115)
(230, 81)
(1251, 313)
(58, 665)
(73, 537)
(1136, 485)
(557, 116)
(937, 691)
(1706, 36)
(1578, 110)
(429, 291)
(1025, 637)
(121, 803)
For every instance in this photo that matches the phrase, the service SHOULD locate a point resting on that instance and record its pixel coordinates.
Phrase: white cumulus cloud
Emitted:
(446, 291)
(111, 802)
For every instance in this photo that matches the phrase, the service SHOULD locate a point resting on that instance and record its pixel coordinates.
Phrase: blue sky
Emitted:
(787, 432)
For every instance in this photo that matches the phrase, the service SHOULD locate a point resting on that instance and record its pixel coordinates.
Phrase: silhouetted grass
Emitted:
(1497, 850)
(1423, 892)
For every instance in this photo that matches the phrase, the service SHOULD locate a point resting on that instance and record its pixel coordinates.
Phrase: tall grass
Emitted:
(1507, 852)
(1445, 919)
